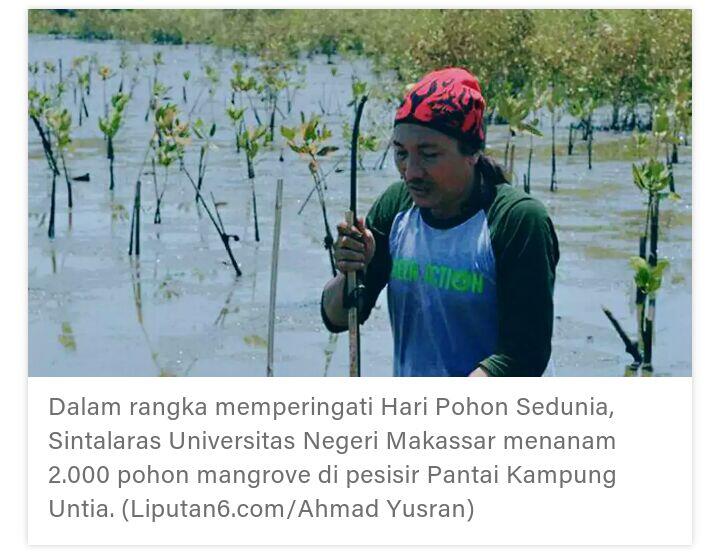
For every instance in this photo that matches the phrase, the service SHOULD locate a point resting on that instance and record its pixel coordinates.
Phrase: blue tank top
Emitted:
(442, 296)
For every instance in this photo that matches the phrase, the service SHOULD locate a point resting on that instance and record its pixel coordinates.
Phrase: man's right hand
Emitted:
(354, 247)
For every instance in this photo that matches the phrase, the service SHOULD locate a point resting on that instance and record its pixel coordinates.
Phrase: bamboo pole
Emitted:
(273, 278)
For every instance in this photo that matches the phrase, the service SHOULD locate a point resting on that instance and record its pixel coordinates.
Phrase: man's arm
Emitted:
(526, 249)
(377, 269)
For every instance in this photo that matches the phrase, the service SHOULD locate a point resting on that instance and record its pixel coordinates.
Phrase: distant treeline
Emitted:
(617, 57)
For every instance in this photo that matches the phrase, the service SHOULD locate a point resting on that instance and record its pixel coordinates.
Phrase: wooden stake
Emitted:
(353, 323)
(273, 277)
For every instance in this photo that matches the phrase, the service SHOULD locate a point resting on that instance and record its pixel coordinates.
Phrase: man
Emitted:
(469, 261)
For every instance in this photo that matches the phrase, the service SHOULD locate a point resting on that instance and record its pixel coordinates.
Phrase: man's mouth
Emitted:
(420, 190)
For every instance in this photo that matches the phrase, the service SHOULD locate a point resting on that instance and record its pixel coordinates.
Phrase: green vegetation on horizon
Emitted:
(620, 56)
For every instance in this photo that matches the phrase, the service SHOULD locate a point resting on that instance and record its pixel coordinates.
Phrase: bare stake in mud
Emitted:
(274, 277)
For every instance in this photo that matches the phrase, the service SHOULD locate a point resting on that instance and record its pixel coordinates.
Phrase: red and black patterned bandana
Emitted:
(447, 100)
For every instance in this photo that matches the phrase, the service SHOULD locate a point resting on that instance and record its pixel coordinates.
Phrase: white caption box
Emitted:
(630, 483)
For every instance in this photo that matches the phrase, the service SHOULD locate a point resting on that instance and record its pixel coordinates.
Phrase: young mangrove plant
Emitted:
(38, 109)
(554, 101)
(653, 180)
(80, 85)
(311, 135)
(240, 84)
(110, 125)
(186, 81)
(205, 134)
(236, 117)
(366, 142)
(582, 105)
(665, 136)
(272, 85)
(514, 110)
(250, 144)
(105, 74)
(173, 136)
(157, 61)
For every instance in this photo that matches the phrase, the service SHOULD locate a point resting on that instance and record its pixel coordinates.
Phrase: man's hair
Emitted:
(488, 172)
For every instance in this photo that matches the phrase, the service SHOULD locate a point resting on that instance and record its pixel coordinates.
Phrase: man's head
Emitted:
(438, 136)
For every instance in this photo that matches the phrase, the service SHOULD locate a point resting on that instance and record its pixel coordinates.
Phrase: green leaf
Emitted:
(288, 133)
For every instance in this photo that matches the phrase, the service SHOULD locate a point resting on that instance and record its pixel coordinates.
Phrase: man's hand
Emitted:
(354, 248)
(479, 372)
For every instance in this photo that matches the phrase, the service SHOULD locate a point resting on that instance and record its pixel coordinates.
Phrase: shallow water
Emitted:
(180, 310)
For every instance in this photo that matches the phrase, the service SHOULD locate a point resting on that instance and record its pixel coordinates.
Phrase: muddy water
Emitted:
(181, 311)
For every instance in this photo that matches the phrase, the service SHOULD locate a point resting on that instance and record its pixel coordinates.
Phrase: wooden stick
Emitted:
(273, 277)
(353, 323)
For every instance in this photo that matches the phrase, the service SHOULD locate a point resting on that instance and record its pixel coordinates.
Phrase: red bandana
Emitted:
(447, 100)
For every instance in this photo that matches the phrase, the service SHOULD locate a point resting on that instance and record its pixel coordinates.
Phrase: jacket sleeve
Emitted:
(527, 253)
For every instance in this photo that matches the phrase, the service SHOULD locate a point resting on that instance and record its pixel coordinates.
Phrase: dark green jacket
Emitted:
(526, 253)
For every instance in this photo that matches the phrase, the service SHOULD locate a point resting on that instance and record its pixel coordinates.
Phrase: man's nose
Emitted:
(413, 169)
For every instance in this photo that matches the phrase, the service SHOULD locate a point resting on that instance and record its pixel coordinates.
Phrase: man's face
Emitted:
(438, 176)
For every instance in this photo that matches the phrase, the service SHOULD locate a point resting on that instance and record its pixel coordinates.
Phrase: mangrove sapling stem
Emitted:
(217, 223)
(328, 240)
(157, 219)
(512, 160)
(134, 245)
(529, 166)
(251, 178)
(47, 146)
(652, 261)
(669, 165)
(135, 219)
(381, 162)
(67, 179)
(111, 157)
(273, 277)
(589, 138)
(553, 164)
(312, 189)
(51, 225)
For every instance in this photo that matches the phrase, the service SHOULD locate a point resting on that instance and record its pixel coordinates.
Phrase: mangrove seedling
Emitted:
(582, 106)
(241, 84)
(174, 136)
(38, 108)
(554, 101)
(205, 134)
(236, 116)
(82, 85)
(653, 180)
(366, 143)
(157, 61)
(514, 110)
(272, 85)
(186, 80)
(250, 143)
(105, 74)
(311, 136)
(665, 136)
(359, 89)
(110, 125)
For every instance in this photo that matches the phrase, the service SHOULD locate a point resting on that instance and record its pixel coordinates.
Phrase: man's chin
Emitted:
(421, 199)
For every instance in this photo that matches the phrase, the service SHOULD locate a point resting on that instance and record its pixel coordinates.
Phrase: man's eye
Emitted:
(401, 154)
(429, 155)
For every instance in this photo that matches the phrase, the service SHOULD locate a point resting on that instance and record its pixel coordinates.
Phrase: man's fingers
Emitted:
(349, 255)
(347, 266)
(352, 232)
(349, 243)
